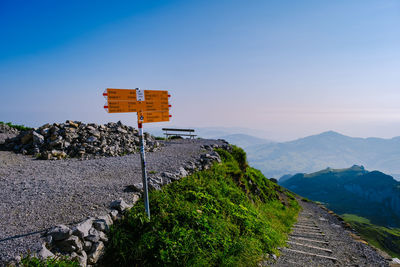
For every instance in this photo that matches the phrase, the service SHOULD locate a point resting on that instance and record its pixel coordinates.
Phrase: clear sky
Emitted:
(286, 68)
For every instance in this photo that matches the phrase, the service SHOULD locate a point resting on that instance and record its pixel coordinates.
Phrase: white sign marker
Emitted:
(139, 95)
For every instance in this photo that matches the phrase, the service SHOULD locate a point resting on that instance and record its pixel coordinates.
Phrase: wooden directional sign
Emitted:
(151, 106)
(157, 116)
(131, 100)
(121, 94)
(122, 106)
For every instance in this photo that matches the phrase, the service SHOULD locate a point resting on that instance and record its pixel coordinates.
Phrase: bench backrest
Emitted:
(178, 130)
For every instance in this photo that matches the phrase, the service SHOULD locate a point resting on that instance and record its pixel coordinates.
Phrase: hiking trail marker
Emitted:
(151, 106)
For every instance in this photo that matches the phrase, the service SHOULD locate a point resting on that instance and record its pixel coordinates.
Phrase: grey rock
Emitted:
(103, 223)
(37, 138)
(107, 219)
(138, 187)
(59, 232)
(96, 252)
(91, 139)
(135, 198)
(82, 229)
(81, 258)
(154, 186)
(87, 245)
(94, 235)
(183, 172)
(169, 175)
(114, 214)
(71, 244)
(44, 253)
(120, 205)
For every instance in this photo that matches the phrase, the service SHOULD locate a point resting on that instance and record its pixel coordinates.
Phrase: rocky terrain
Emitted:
(38, 195)
(74, 139)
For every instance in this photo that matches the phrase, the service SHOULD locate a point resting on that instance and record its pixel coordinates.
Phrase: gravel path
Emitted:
(38, 194)
(320, 239)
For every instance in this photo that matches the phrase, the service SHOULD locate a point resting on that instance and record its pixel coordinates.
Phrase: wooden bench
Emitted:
(178, 132)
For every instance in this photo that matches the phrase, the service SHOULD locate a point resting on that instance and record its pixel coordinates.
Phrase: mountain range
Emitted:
(328, 149)
(369, 194)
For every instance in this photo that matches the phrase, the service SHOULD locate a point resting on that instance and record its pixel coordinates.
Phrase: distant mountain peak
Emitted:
(331, 133)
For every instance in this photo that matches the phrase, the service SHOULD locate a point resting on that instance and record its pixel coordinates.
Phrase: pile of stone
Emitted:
(75, 139)
(85, 241)
(7, 132)
(4, 128)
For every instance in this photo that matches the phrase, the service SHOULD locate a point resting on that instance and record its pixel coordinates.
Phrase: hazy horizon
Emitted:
(284, 69)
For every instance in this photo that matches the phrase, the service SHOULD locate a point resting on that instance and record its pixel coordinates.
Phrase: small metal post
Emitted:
(144, 174)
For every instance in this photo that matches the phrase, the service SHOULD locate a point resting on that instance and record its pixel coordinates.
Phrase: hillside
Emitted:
(387, 239)
(328, 149)
(230, 215)
(373, 195)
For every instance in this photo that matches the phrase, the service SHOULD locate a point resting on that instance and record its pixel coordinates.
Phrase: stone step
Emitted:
(310, 254)
(310, 240)
(309, 246)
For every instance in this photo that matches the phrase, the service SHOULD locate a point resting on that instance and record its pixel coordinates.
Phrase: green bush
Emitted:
(225, 216)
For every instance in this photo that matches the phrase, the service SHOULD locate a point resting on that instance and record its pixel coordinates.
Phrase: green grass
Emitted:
(18, 127)
(230, 215)
(386, 239)
(30, 261)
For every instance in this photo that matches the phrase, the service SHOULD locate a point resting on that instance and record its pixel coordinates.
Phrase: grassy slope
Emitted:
(230, 215)
(381, 237)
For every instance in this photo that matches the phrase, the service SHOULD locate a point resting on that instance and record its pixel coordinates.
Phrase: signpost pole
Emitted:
(144, 174)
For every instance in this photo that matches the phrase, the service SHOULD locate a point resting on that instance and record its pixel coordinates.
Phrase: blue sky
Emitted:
(284, 68)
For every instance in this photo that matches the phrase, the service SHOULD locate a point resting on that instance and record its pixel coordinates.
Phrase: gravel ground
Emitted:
(38, 194)
(348, 251)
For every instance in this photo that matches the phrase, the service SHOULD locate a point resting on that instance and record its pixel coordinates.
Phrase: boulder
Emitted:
(71, 244)
(44, 253)
(120, 205)
(82, 229)
(96, 252)
(59, 232)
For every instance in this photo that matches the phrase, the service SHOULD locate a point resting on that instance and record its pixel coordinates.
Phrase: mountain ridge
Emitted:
(327, 149)
(370, 194)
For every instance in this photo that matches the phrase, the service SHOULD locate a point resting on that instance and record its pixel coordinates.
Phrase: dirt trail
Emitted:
(320, 239)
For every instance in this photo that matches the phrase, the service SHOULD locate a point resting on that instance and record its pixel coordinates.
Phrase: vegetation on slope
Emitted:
(386, 239)
(230, 215)
(30, 261)
(18, 127)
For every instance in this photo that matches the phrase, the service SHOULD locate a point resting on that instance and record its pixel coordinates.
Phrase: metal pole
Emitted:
(144, 174)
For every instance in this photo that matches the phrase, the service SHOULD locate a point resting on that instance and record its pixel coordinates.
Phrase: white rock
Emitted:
(44, 253)
(82, 229)
(183, 172)
(114, 215)
(120, 205)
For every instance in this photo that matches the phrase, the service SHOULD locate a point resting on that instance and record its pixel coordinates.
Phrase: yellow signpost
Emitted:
(150, 105)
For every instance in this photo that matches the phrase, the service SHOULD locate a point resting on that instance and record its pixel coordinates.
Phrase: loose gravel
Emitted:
(38, 194)
(343, 247)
